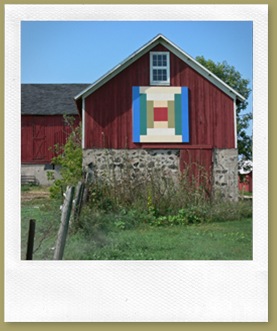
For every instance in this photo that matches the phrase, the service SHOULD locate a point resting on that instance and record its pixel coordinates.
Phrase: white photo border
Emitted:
(135, 291)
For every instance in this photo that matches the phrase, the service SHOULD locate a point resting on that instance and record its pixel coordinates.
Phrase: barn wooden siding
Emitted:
(196, 164)
(108, 118)
(39, 133)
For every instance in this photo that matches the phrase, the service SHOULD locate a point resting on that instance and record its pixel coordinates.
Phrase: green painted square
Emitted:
(178, 114)
(150, 114)
(143, 115)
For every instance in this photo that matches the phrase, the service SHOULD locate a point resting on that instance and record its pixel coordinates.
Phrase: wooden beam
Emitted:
(66, 211)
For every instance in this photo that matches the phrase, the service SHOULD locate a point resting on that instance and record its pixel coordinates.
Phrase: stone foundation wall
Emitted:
(116, 163)
(225, 173)
(40, 172)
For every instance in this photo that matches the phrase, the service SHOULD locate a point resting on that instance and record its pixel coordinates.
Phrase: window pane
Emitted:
(159, 60)
(164, 74)
(159, 74)
(154, 60)
(155, 74)
(164, 60)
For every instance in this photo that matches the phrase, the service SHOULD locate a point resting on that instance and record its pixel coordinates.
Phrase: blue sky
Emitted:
(81, 52)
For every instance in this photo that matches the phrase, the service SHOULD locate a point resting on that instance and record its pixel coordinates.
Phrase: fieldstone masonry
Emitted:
(105, 163)
(225, 173)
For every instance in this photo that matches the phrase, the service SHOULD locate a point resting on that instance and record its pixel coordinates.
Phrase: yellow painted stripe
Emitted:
(160, 103)
(171, 114)
(150, 114)
(160, 89)
(160, 139)
(161, 132)
(160, 96)
(160, 124)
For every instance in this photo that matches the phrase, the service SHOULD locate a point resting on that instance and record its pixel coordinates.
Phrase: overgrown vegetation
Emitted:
(69, 158)
(157, 200)
(46, 212)
(158, 203)
(131, 235)
(149, 217)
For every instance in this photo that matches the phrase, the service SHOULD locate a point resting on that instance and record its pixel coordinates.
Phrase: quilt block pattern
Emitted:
(160, 114)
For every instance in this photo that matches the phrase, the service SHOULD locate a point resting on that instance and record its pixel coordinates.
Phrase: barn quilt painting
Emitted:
(160, 114)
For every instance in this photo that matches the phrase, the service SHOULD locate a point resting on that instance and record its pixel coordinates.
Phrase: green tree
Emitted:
(69, 158)
(233, 78)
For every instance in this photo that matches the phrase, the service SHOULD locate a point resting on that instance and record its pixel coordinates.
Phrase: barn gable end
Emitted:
(120, 116)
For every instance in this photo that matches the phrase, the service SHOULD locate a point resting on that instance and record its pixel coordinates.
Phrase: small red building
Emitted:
(43, 125)
(245, 176)
(161, 107)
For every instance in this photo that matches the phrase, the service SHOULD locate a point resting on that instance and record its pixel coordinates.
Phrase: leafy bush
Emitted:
(69, 157)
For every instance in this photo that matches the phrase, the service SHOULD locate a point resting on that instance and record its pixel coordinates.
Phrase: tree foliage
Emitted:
(233, 78)
(69, 158)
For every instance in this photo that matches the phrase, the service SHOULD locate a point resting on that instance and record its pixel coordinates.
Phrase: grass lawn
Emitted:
(47, 215)
(208, 241)
(214, 241)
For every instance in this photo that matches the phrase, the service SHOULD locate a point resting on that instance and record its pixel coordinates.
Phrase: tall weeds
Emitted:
(156, 196)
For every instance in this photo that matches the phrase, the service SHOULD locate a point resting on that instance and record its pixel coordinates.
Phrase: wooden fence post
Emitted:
(77, 205)
(87, 181)
(31, 236)
(66, 211)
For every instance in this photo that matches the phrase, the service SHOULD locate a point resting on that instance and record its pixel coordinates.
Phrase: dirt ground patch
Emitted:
(35, 194)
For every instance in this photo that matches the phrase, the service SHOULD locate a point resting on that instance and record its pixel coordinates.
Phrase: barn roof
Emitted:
(49, 99)
(160, 39)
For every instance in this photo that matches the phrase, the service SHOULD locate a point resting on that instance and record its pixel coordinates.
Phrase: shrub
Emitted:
(69, 158)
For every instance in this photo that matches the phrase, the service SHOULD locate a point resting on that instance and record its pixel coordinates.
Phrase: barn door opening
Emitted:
(39, 141)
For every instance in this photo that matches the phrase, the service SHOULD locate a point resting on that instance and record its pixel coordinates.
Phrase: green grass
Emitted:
(46, 212)
(248, 194)
(225, 240)
(214, 241)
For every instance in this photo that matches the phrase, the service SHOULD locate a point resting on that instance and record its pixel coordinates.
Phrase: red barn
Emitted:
(42, 124)
(160, 107)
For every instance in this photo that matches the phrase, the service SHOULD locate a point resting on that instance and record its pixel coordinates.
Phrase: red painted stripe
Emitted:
(160, 114)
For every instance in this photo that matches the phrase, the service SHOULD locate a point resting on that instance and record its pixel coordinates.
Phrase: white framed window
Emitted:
(159, 68)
